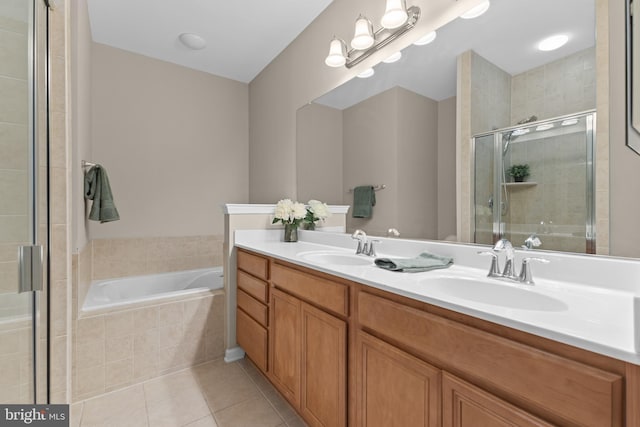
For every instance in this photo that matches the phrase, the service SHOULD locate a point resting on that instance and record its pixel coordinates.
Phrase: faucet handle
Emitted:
(525, 271)
(494, 270)
(370, 250)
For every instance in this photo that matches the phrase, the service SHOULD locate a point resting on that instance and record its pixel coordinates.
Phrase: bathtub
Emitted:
(123, 291)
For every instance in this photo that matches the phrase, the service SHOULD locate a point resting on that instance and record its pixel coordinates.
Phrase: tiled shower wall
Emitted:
(14, 146)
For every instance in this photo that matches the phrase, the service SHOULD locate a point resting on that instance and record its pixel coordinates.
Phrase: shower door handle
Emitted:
(29, 268)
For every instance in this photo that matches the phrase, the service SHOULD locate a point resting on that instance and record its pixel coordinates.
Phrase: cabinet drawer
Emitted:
(252, 338)
(252, 307)
(254, 287)
(253, 264)
(325, 293)
(571, 391)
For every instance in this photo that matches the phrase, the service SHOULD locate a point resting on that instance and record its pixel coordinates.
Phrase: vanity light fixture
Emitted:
(397, 20)
(553, 42)
(426, 39)
(476, 11)
(192, 41)
(366, 73)
(393, 58)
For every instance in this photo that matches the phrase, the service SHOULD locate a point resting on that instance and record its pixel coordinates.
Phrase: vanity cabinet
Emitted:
(393, 387)
(344, 353)
(308, 344)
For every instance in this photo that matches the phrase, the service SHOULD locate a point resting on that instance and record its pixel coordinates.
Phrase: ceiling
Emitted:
(506, 35)
(242, 37)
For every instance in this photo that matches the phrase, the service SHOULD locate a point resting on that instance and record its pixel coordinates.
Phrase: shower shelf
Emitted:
(520, 184)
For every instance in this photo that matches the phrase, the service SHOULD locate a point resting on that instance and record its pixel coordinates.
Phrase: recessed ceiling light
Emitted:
(474, 12)
(192, 41)
(366, 73)
(544, 127)
(393, 58)
(426, 39)
(553, 42)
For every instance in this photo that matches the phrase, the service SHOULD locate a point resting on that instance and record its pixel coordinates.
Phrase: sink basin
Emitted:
(508, 295)
(335, 258)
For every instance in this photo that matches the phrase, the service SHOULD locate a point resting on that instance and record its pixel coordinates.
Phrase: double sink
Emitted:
(478, 289)
(599, 318)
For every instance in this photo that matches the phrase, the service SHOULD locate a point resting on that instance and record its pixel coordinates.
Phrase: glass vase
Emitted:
(290, 233)
(309, 226)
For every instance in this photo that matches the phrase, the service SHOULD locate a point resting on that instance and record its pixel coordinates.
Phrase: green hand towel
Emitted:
(364, 198)
(423, 262)
(97, 188)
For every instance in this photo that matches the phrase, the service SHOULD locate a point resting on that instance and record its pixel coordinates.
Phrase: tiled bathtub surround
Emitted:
(125, 347)
(136, 256)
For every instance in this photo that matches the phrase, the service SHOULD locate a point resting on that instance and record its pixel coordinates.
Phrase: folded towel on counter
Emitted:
(364, 199)
(97, 188)
(423, 262)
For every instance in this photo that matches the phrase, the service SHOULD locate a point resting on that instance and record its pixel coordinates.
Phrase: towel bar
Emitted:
(375, 188)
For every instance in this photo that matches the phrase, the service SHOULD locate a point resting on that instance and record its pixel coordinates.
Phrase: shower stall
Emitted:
(554, 200)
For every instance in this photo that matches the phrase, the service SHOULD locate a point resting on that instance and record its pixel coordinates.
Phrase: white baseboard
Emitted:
(233, 354)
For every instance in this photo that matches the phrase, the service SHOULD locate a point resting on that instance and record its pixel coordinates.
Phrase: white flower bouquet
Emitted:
(289, 213)
(316, 211)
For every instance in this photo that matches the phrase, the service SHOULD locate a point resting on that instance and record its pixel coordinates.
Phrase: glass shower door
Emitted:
(20, 194)
(542, 177)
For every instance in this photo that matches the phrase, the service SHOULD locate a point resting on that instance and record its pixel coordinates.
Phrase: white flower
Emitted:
(298, 211)
(320, 210)
(284, 209)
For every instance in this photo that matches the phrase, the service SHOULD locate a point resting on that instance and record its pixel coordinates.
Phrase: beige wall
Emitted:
(319, 154)
(299, 75)
(80, 44)
(174, 141)
(625, 163)
(446, 168)
(490, 95)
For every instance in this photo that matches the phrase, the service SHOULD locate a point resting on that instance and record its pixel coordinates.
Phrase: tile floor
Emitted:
(214, 394)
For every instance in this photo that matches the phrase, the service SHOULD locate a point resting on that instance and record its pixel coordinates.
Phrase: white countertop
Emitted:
(594, 300)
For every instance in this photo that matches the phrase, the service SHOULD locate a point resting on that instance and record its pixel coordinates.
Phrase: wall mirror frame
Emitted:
(379, 84)
(633, 74)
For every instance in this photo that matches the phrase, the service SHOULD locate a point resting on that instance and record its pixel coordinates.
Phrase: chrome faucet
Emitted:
(365, 246)
(503, 245)
(361, 237)
(525, 276)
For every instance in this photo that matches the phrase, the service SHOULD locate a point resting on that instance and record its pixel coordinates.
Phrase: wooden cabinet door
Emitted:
(465, 405)
(284, 345)
(393, 388)
(324, 374)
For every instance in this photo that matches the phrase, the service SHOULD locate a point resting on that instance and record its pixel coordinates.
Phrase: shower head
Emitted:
(513, 134)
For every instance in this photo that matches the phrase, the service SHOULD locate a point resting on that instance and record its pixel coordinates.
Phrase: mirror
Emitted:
(399, 127)
(633, 75)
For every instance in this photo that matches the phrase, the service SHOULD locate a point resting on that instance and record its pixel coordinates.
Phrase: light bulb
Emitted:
(337, 53)
(363, 34)
(395, 14)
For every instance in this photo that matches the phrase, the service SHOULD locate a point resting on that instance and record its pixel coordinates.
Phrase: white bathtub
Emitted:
(139, 289)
